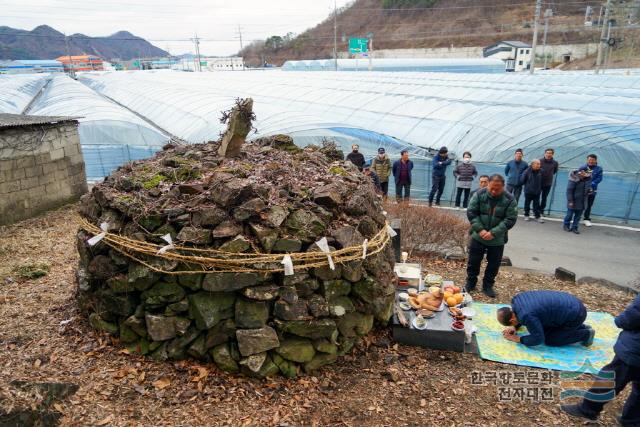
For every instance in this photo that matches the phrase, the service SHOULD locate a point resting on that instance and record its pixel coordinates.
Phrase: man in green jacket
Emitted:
(492, 213)
(381, 165)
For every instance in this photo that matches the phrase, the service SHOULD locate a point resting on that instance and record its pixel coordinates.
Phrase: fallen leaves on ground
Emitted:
(380, 383)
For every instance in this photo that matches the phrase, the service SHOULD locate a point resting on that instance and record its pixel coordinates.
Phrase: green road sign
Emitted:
(358, 46)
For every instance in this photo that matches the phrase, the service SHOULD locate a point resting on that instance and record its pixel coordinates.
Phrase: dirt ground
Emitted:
(43, 338)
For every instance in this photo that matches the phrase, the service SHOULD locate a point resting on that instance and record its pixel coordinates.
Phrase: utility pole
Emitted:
(547, 15)
(71, 71)
(196, 42)
(600, 16)
(536, 20)
(603, 42)
(608, 52)
(335, 35)
(241, 46)
(370, 36)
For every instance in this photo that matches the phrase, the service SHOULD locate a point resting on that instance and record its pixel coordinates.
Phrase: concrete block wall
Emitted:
(41, 168)
(555, 52)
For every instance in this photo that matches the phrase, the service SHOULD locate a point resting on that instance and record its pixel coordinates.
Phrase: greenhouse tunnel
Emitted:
(475, 112)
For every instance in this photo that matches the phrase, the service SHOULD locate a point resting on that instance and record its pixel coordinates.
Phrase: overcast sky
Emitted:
(169, 24)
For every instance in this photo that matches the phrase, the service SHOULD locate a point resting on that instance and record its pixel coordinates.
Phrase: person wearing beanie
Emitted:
(381, 165)
(438, 175)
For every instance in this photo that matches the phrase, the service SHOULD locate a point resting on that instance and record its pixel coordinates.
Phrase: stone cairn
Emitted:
(187, 262)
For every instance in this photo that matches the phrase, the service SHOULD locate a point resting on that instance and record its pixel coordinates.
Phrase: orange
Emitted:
(447, 295)
(458, 298)
(451, 301)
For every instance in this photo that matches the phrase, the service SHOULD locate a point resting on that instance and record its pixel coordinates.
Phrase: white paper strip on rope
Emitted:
(166, 238)
(95, 239)
(288, 265)
(364, 248)
(391, 231)
(324, 247)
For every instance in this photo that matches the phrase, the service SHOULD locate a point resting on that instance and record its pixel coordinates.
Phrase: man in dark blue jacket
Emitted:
(596, 178)
(626, 368)
(551, 317)
(438, 174)
(512, 171)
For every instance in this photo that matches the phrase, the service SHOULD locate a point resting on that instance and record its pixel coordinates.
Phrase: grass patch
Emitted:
(31, 271)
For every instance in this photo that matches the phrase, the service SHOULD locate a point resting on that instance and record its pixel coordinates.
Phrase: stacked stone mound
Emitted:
(274, 198)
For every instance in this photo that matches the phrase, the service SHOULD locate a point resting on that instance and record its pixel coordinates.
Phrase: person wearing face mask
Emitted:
(356, 157)
(464, 173)
(381, 165)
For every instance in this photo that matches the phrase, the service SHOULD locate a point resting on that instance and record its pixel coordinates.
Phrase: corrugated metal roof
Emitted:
(515, 43)
(17, 120)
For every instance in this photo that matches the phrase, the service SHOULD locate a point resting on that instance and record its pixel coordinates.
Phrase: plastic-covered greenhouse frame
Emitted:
(110, 135)
(488, 114)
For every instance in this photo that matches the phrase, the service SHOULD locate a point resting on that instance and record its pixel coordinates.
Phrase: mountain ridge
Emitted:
(45, 42)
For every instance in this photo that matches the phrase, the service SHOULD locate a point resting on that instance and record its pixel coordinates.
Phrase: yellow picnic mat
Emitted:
(492, 345)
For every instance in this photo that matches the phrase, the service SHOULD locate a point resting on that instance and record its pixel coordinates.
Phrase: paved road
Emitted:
(600, 251)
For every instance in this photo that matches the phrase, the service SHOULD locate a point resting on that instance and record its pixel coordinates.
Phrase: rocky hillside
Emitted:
(401, 24)
(44, 42)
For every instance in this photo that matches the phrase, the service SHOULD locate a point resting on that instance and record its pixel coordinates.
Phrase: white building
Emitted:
(231, 63)
(515, 54)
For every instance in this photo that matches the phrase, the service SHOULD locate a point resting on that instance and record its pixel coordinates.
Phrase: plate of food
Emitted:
(468, 312)
(405, 306)
(456, 313)
(458, 325)
(403, 296)
(427, 314)
(419, 323)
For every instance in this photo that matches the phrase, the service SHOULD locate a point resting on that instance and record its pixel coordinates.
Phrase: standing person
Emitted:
(356, 157)
(623, 369)
(596, 178)
(531, 180)
(438, 174)
(551, 317)
(577, 194)
(381, 165)
(549, 168)
(492, 213)
(402, 176)
(464, 173)
(512, 171)
(483, 182)
(374, 177)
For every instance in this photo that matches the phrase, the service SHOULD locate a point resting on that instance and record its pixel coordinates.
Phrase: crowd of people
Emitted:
(535, 180)
(492, 208)
(551, 318)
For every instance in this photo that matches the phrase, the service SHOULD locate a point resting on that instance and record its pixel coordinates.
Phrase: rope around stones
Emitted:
(214, 261)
